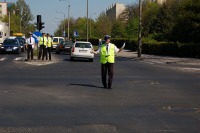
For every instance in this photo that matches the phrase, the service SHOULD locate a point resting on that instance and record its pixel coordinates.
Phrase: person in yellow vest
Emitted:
(107, 58)
(49, 46)
(42, 45)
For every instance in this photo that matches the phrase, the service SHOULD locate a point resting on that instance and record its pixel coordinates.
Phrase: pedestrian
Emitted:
(107, 59)
(30, 45)
(43, 45)
(49, 46)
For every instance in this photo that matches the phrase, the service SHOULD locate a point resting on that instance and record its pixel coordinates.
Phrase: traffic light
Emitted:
(40, 24)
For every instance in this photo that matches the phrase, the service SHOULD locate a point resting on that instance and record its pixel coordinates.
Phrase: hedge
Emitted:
(130, 44)
(156, 48)
(172, 49)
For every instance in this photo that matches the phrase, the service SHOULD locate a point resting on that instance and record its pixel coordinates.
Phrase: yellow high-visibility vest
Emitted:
(107, 57)
(43, 42)
(49, 42)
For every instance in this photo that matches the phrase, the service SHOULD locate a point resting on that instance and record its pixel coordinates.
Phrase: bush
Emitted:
(171, 49)
(131, 44)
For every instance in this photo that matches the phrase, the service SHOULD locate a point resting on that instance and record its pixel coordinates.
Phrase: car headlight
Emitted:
(21, 46)
(2, 47)
(15, 47)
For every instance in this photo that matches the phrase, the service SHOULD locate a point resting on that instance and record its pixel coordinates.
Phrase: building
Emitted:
(115, 10)
(3, 8)
(161, 1)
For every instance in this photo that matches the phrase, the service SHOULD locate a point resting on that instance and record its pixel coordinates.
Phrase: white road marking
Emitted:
(18, 59)
(189, 68)
(2, 59)
(40, 63)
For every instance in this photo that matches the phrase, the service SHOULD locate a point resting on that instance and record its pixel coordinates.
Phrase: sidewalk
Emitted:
(159, 59)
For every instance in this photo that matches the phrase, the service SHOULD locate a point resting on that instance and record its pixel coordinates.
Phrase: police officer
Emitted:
(107, 58)
(30, 45)
(49, 46)
(43, 45)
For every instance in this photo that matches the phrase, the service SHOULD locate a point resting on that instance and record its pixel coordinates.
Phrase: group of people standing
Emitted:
(44, 44)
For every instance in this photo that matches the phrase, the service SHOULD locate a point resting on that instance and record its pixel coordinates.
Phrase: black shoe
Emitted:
(109, 87)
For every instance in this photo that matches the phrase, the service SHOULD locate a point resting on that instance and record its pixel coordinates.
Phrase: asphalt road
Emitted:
(67, 97)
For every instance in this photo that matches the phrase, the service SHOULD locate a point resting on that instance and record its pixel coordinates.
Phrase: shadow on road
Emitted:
(85, 85)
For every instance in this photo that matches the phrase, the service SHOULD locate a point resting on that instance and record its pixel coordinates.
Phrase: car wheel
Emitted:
(71, 58)
(57, 52)
(91, 60)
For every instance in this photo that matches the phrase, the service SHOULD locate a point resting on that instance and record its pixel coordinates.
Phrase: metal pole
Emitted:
(9, 23)
(68, 21)
(90, 27)
(64, 26)
(140, 30)
(87, 20)
(20, 25)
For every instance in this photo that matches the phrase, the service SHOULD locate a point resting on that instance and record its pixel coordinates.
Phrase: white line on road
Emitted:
(189, 68)
(18, 59)
(2, 59)
(39, 63)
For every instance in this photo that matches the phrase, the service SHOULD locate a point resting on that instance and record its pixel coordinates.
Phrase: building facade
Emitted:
(161, 1)
(3, 8)
(115, 10)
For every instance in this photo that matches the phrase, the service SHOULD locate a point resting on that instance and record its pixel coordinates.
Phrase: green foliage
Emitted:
(172, 49)
(150, 12)
(132, 28)
(189, 18)
(118, 29)
(103, 25)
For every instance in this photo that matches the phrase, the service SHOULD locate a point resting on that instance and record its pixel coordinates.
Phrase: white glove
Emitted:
(123, 46)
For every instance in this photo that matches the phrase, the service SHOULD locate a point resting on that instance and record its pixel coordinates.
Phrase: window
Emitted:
(83, 45)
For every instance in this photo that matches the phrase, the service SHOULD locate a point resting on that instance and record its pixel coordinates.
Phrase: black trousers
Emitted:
(42, 52)
(29, 52)
(48, 53)
(107, 68)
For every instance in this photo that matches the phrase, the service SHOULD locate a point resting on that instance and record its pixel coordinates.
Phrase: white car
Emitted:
(82, 50)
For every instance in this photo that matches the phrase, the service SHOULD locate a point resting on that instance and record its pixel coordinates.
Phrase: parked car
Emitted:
(82, 50)
(64, 46)
(56, 41)
(11, 46)
(22, 42)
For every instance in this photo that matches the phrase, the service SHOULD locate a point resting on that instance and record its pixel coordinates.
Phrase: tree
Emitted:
(149, 15)
(189, 18)
(24, 12)
(162, 25)
(132, 28)
(118, 29)
(103, 25)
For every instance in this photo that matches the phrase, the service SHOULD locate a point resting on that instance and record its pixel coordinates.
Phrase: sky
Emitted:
(48, 8)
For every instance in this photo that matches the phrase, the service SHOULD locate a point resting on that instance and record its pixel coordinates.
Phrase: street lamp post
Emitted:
(68, 17)
(9, 22)
(20, 20)
(87, 20)
(140, 30)
(90, 23)
(64, 22)
(60, 22)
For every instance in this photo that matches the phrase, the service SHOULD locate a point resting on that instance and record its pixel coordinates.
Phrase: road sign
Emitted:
(75, 34)
(36, 36)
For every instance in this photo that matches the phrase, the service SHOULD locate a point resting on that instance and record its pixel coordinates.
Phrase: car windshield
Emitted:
(10, 42)
(55, 40)
(83, 45)
(61, 39)
(67, 43)
(21, 39)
